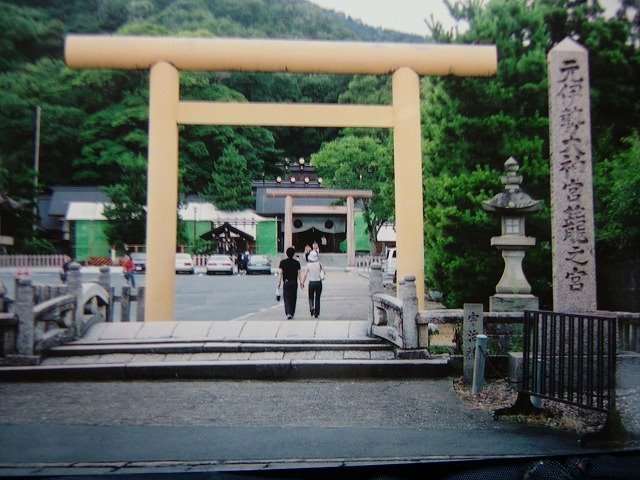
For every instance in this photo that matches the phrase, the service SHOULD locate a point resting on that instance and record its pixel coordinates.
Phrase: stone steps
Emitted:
(290, 359)
(192, 347)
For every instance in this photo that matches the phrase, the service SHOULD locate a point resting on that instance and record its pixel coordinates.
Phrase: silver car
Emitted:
(185, 263)
(219, 264)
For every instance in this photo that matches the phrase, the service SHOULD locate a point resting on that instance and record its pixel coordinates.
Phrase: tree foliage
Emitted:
(474, 125)
(230, 186)
(360, 163)
(618, 197)
(126, 215)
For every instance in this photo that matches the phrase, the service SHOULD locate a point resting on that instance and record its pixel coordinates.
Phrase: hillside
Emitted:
(93, 122)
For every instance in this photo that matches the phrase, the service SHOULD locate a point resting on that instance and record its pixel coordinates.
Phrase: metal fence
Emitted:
(570, 358)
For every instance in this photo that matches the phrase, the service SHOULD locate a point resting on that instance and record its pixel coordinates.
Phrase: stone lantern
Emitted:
(513, 292)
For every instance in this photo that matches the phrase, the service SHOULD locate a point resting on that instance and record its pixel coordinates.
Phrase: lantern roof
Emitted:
(513, 200)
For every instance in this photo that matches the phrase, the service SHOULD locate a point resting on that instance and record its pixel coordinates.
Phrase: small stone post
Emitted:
(409, 313)
(4, 301)
(104, 279)
(125, 304)
(23, 307)
(140, 305)
(471, 326)
(75, 288)
(478, 363)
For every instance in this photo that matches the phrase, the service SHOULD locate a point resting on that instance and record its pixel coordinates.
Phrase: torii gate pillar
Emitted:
(162, 188)
(407, 142)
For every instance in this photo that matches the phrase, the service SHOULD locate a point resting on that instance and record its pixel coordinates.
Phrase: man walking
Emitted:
(288, 278)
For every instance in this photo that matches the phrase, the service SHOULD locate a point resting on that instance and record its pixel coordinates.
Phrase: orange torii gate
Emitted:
(166, 56)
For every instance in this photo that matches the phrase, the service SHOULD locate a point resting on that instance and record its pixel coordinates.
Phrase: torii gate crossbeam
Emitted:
(165, 56)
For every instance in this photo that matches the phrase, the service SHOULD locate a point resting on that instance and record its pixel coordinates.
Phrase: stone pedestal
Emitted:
(504, 302)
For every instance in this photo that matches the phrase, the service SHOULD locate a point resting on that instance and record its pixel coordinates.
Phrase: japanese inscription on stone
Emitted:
(472, 325)
(574, 274)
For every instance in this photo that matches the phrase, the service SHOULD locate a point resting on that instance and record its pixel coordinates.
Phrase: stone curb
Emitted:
(208, 347)
(245, 369)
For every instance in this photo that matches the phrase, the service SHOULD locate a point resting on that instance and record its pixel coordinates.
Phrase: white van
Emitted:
(390, 262)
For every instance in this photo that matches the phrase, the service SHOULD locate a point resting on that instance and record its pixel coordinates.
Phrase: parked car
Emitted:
(219, 264)
(185, 263)
(140, 260)
(390, 262)
(258, 264)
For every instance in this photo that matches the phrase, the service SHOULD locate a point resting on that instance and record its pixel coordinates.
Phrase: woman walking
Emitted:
(315, 273)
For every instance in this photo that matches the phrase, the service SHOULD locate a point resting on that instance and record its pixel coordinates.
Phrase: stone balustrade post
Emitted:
(74, 281)
(104, 279)
(140, 305)
(409, 313)
(4, 301)
(375, 286)
(125, 304)
(23, 307)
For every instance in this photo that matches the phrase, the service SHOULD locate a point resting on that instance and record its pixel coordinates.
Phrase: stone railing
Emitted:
(50, 261)
(365, 261)
(392, 318)
(44, 316)
(628, 323)
(498, 326)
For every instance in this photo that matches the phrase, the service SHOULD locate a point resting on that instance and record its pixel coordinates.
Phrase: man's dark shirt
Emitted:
(290, 268)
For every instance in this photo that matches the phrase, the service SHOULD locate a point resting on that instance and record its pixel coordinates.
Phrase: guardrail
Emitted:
(568, 358)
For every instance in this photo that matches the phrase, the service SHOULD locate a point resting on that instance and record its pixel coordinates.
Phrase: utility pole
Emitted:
(36, 167)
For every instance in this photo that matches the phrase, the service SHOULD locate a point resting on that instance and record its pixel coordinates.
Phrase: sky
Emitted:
(400, 15)
(405, 15)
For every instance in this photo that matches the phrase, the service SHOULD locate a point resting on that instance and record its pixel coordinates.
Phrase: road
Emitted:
(198, 297)
(184, 423)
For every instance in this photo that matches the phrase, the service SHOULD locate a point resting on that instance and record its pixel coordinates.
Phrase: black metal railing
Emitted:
(570, 358)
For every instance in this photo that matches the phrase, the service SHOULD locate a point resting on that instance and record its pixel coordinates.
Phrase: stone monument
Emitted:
(513, 292)
(572, 229)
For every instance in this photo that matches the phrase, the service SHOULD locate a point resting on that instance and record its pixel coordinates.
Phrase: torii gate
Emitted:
(349, 195)
(166, 56)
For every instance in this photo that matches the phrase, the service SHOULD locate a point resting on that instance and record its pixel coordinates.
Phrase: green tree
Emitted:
(479, 123)
(126, 215)
(361, 163)
(18, 184)
(459, 259)
(27, 34)
(230, 186)
(618, 199)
